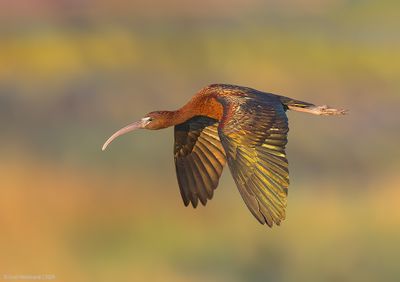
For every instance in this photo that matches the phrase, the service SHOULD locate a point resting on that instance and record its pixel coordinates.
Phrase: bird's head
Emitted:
(153, 120)
(159, 119)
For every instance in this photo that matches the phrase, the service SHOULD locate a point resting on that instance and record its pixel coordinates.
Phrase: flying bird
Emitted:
(241, 126)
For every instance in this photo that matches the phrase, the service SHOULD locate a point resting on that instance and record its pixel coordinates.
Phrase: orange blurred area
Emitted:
(72, 72)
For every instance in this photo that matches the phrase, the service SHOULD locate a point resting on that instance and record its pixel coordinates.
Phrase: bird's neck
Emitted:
(198, 106)
(172, 118)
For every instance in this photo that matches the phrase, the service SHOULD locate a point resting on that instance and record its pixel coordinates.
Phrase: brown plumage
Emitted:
(244, 127)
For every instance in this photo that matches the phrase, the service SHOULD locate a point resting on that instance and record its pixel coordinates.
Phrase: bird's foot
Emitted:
(324, 110)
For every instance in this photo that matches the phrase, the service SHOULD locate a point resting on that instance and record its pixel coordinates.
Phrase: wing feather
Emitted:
(253, 132)
(199, 159)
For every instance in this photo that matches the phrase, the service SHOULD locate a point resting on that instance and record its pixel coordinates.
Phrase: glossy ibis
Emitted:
(242, 126)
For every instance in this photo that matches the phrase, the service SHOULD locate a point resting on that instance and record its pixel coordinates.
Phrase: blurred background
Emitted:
(72, 72)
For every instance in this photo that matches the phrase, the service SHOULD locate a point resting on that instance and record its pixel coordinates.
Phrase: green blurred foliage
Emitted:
(71, 72)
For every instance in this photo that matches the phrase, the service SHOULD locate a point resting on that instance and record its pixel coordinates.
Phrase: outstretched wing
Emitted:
(199, 159)
(253, 132)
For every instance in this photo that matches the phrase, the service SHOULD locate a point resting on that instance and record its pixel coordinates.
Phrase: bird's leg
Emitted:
(323, 110)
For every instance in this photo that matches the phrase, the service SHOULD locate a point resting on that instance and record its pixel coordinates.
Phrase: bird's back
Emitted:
(226, 93)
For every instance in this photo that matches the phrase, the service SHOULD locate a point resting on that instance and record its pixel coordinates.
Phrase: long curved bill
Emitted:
(133, 126)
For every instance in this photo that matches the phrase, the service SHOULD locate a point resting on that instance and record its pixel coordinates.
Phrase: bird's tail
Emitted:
(289, 102)
(305, 107)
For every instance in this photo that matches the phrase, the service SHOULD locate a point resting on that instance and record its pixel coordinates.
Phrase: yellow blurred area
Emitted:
(51, 55)
(72, 72)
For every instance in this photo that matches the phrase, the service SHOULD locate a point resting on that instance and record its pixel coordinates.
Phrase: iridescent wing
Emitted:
(253, 132)
(199, 159)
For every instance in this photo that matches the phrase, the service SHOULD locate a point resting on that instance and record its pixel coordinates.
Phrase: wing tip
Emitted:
(270, 224)
(270, 219)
